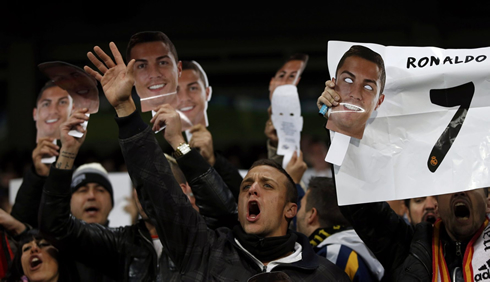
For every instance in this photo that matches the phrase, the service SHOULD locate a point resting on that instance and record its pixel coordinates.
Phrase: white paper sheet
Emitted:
(392, 159)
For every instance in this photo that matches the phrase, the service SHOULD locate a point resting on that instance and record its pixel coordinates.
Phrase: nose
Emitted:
(35, 248)
(91, 194)
(182, 94)
(356, 91)
(253, 190)
(153, 71)
(431, 203)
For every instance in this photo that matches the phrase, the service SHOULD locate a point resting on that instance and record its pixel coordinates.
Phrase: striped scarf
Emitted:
(476, 260)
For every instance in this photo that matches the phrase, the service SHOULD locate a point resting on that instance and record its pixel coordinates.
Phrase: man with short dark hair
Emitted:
(53, 106)
(355, 91)
(331, 235)
(289, 73)
(261, 242)
(194, 93)
(156, 68)
(422, 209)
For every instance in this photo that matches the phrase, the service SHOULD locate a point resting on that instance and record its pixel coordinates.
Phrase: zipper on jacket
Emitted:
(156, 265)
(458, 249)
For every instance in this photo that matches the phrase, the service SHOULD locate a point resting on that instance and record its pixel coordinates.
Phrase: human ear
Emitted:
(291, 210)
(380, 101)
(313, 216)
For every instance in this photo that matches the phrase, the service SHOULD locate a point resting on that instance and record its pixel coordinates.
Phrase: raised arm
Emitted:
(94, 245)
(179, 226)
(26, 205)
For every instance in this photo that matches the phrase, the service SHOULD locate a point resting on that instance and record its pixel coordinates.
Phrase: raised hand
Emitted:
(45, 148)
(69, 144)
(296, 167)
(202, 139)
(116, 78)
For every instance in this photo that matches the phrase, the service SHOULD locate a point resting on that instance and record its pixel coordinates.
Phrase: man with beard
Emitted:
(422, 209)
(453, 249)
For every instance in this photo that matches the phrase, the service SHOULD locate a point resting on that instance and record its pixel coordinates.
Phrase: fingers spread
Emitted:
(107, 60)
(97, 63)
(117, 55)
(93, 73)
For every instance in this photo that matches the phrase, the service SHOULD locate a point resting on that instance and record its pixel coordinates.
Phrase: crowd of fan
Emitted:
(196, 217)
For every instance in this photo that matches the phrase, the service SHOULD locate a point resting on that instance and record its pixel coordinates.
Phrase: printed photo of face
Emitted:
(52, 109)
(193, 97)
(81, 87)
(289, 73)
(156, 74)
(359, 85)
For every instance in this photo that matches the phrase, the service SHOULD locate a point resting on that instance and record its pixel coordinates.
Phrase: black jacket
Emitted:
(199, 253)
(127, 253)
(405, 252)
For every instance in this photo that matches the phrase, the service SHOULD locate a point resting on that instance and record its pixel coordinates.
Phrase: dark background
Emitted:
(239, 44)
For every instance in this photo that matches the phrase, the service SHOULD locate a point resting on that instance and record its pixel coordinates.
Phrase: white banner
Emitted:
(431, 134)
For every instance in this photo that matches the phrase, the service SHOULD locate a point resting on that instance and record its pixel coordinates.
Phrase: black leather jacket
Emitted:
(199, 253)
(404, 251)
(127, 253)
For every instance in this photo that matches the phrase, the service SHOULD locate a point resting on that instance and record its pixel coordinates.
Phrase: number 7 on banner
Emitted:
(450, 97)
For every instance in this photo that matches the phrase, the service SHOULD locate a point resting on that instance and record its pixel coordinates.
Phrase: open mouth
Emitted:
(430, 218)
(35, 262)
(461, 210)
(91, 210)
(253, 210)
(352, 107)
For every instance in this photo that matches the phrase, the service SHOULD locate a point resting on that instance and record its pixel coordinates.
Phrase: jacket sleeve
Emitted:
(182, 231)
(215, 201)
(229, 173)
(28, 199)
(93, 244)
(385, 233)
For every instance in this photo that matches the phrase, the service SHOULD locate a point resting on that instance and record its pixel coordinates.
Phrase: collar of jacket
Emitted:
(309, 259)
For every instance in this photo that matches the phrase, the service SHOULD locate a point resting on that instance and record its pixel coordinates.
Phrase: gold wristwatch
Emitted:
(182, 149)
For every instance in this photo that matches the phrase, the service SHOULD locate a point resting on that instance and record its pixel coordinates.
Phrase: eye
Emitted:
(64, 102)
(194, 88)
(26, 248)
(44, 104)
(44, 244)
(267, 185)
(348, 80)
(141, 66)
(368, 87)
(81, 190)
(101, 190)
(163, 63)
(245, 187)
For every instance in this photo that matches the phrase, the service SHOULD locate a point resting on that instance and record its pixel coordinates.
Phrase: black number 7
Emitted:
(450, 97)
